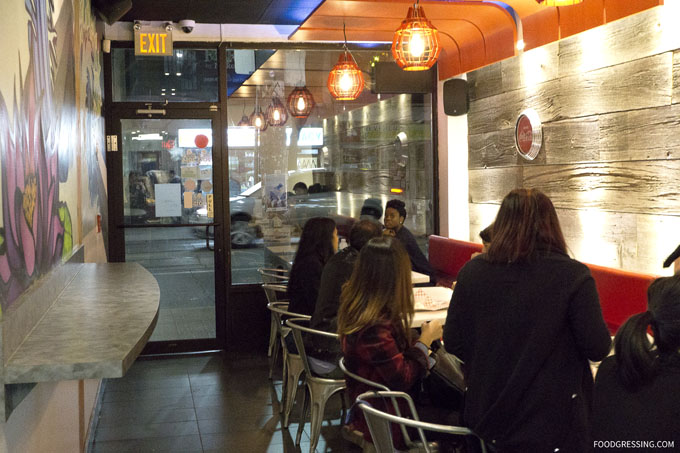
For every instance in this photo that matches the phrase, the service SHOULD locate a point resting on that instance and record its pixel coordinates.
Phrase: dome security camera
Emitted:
(187, 25)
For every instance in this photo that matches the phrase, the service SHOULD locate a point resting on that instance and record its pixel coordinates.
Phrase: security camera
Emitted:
(187, 25)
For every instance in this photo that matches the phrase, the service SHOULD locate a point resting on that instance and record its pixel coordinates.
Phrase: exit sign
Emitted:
(153, 42)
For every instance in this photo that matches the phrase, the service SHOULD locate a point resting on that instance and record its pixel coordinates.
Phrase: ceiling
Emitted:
(274, 12)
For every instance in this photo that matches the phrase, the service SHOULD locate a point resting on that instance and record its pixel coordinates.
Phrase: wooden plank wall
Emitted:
(608, 100)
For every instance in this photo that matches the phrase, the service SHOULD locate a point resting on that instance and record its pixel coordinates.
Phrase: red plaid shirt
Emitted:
(376, 353)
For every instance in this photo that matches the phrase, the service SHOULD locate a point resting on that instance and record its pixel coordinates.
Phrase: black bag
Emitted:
(445, 383)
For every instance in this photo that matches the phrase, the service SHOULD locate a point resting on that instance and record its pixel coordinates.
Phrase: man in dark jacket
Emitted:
(336, 272)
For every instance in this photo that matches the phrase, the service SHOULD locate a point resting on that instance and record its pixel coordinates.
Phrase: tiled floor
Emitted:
(206, 403)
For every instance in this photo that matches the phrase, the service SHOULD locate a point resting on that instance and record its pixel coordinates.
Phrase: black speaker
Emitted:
(112, 10)
(391, 79)
(456, 100)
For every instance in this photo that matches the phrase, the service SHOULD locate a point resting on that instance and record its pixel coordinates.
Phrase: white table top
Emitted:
(417, 277)
(422, 316)
(433, 296)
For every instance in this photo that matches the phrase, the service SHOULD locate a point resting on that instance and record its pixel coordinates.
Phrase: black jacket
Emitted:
(303, 284)
(525, 333)
(418, 261)
(650, 414)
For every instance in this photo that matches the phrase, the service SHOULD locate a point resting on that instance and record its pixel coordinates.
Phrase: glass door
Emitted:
(168, 207)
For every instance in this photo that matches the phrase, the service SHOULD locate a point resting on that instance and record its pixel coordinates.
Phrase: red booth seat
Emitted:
(622, 293)
(447, 257)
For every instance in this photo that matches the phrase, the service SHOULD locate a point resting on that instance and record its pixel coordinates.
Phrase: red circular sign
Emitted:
(524, 134)
(201, 141)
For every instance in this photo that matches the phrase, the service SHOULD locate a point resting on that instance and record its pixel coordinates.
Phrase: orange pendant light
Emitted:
(276, 113)
(559, 2)
(345, 81)
(415, 46)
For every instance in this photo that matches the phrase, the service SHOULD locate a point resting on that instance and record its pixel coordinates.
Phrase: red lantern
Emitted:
(415, 46)
(201, 141)
(345, 80)
(300, 102)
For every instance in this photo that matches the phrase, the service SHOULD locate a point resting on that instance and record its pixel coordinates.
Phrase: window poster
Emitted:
(168, 200)
(275, 195)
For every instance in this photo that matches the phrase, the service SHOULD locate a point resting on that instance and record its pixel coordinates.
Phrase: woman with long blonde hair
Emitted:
(374, 323)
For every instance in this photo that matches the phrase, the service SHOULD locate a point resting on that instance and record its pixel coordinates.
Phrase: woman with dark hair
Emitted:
(395, 214)
(525, 318)
(637, 391)
(374, 323)
(318, 242)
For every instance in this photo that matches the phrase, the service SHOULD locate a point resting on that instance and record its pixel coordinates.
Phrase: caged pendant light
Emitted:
(257, 119)
(276, 112)
(300, 102)
(415, 46)
(345, 81)
(245, 121)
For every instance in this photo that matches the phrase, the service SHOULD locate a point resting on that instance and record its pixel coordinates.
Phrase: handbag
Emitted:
(445, 383)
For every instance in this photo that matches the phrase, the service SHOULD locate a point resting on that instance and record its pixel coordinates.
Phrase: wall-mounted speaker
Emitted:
(456, 100)
(391, 79)
(112, 10)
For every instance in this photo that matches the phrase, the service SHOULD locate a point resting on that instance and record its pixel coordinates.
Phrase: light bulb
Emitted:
(417, 45)
(277, 115)
(258, 122)
(301, 104)
(345, 82)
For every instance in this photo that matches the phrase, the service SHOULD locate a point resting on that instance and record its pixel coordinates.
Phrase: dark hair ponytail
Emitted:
(635, 358)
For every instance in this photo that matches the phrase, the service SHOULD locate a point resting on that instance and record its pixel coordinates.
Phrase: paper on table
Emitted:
(432, 297)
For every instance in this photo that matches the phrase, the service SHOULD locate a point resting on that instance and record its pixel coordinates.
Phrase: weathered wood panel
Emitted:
(493, 149)
(641, 134)
(657, 237)
(637, 186)
(634, 85)
(485, 82)
(531, 67)
(676, 77)
(492, 184)
(481, 215)
(571, 141)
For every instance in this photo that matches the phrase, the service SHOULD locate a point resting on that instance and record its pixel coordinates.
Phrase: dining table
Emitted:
(431, 303)
(417, 277)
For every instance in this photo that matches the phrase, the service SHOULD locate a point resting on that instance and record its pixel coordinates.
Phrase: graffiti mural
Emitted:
(38, 150)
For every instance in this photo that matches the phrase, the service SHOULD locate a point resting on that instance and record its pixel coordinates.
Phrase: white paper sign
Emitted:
(168, 200)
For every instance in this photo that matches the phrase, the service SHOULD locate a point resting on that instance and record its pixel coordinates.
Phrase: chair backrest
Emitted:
(274, 292)
(271, 275)
(299, 325)
(379, 422)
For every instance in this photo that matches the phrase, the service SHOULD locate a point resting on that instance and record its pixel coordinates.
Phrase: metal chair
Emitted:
(379, 424)
(271, 275)
(273, 291)
(292, 363)
(379, 387)
(319, 389)
(276, 277)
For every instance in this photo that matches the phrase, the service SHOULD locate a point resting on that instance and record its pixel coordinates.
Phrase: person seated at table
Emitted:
(318, 243)
(374, 319)
(371, 210)
(395, 214)
(637, 391)
(525, 318)
(337, 271)
(300, 188)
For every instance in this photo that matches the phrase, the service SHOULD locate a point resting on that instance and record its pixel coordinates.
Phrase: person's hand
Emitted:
(389, 232)
(430, 331)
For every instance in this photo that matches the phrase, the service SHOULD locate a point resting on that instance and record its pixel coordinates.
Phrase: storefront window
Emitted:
(328, 163)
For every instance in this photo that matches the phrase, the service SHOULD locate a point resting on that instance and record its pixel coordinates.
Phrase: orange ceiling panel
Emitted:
(474, 33)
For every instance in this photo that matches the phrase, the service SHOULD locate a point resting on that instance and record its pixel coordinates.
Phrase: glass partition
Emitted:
(328, 162)
(189, 75)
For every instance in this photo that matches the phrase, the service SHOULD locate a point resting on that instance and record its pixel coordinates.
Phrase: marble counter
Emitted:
(95, 329)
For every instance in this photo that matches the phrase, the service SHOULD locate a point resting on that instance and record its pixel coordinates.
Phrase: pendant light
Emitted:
(300, 102)
(415, 46)
(558, 2)
(277, 115)
(245, 121)
(345, 80)
(257, 119)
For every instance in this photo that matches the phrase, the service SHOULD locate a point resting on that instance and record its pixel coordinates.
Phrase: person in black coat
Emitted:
(637, 391)
(525, 318)
(395, 214)
(337, 271)
(318, 242)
